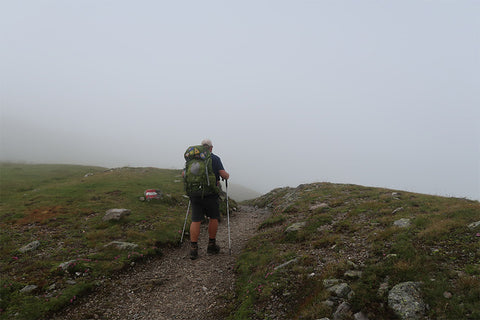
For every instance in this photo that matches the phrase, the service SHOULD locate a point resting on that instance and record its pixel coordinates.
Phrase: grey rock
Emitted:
(64, 265)
(318, 206)
(402, 223)
(341, 290)
(115, 214)
(328, 303)
(28, 288)
(122, 245)
(295, 227)
(327, 283)
(353, 274)
(286, 264)
(405, 299)
(30, 247)
(397, 210)
(473, 225)
(360, 316)
(343, 312)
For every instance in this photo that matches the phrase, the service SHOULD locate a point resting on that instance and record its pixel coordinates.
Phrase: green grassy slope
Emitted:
(349, 225)
(62, 207)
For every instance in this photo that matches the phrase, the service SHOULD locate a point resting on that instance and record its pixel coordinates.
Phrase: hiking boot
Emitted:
(213, 248)
(194, 252)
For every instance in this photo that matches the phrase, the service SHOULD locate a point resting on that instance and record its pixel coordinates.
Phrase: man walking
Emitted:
(207, 205)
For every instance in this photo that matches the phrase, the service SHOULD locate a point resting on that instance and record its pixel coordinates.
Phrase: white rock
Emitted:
(28, 288)
(30, 247)
(474, 225)
(115, 214)
(295, 227)
(402, 223)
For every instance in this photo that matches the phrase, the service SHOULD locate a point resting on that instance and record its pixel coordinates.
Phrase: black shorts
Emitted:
(206, 206)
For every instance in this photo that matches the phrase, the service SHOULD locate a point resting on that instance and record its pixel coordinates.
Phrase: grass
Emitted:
(62, 206)
(437, 249)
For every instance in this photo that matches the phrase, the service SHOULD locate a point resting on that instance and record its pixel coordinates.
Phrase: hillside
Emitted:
(325, 250)
(56, 243)
(339, 251)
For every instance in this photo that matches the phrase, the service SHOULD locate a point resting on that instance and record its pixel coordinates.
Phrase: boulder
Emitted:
(115, 214)
(406, 300)
(30, 247)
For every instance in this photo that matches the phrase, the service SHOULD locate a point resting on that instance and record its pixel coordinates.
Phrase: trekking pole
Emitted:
(185, 223)
(228, 221)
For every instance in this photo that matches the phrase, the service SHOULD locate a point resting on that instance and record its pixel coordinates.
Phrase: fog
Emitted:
(365, 92)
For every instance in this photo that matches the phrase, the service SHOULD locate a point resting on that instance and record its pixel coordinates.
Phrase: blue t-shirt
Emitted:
(217, 166)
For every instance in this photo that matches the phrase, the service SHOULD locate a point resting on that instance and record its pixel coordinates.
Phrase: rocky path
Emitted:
(173, 286)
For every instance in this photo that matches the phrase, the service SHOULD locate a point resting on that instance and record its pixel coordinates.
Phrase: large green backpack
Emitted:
(199, 177)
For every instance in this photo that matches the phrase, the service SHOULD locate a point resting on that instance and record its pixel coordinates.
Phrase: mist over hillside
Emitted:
(240, 193)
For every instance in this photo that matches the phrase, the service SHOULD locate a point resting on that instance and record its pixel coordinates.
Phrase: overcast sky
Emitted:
(376, 93)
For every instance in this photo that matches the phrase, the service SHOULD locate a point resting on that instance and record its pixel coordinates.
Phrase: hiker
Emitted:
(207, 204)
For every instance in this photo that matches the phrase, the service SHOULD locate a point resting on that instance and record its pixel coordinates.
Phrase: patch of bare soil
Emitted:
(173, 286)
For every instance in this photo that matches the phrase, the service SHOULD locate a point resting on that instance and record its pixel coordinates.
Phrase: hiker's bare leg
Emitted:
(194, 231)
(212, 228)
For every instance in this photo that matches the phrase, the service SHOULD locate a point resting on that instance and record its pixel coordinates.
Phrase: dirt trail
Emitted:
(173, 286)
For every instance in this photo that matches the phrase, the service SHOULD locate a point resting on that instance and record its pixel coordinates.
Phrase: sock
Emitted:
(194, 245)
(212, 241)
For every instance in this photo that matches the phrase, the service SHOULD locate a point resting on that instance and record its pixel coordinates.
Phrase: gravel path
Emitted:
(173, 286)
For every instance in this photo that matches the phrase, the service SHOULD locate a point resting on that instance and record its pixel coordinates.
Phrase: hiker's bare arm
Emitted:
(224, 174)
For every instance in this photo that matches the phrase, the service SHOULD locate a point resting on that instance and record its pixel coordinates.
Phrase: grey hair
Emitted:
(207, 143)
